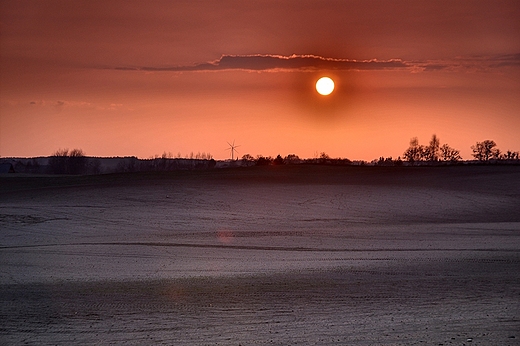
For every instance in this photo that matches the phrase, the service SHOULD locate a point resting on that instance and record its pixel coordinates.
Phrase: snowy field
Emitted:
(291, 255)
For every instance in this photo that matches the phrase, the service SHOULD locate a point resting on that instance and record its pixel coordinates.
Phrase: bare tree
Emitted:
(278, 160)
(324, 158)
(263, 161)
(432, 151)
(449, 154)
(292, 159)
(384, 161)
(64, 162)
(485, 151)
(77, 162)
(248, 160)
(415, 152)
(511, 155)
(58, 161)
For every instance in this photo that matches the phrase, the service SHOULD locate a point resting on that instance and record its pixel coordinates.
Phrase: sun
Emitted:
(325, 86)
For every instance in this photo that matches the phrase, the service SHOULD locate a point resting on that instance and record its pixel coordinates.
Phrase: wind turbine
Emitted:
(233, 149)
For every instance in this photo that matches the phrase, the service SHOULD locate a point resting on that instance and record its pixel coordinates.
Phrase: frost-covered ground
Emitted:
(274, 255)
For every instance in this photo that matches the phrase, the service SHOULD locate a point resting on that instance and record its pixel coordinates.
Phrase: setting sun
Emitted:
(325, 86)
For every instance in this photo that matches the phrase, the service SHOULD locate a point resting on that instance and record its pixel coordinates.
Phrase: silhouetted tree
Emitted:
(324, 158)
(449, 154)
(58, 161)
(263, 161)
(432, 151)
(278, 160)
(384, 161)
(292, 159)
(65, 162)
(511, 155)
(248, 160)
(484, 151)
(415, 152)
(77, 162)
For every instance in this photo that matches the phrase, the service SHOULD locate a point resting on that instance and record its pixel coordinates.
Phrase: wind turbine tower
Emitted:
(233, 149)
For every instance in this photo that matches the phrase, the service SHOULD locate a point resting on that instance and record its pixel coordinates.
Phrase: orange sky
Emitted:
(143, 78)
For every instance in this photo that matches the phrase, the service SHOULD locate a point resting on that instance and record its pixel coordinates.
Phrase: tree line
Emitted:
(487, 150)
(164, 164)
(64, 161)
(433, 152)
(291, 159)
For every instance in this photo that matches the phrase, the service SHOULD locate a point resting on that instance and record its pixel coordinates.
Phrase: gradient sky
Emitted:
(118, 78)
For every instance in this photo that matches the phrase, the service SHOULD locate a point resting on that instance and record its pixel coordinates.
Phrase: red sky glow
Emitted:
(125, 78)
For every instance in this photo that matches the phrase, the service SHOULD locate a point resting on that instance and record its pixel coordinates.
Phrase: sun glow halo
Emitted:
(325, 86)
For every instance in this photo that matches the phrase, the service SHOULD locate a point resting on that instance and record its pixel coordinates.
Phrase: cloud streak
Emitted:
(270, 62)
(469, 63)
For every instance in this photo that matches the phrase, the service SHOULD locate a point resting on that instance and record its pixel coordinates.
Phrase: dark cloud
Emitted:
(433, 67)
(505, 60)
(468, 63)
(269, 62)
(301, 62)
(280, 62)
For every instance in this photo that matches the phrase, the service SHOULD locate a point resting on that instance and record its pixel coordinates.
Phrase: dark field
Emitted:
(310, 255)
